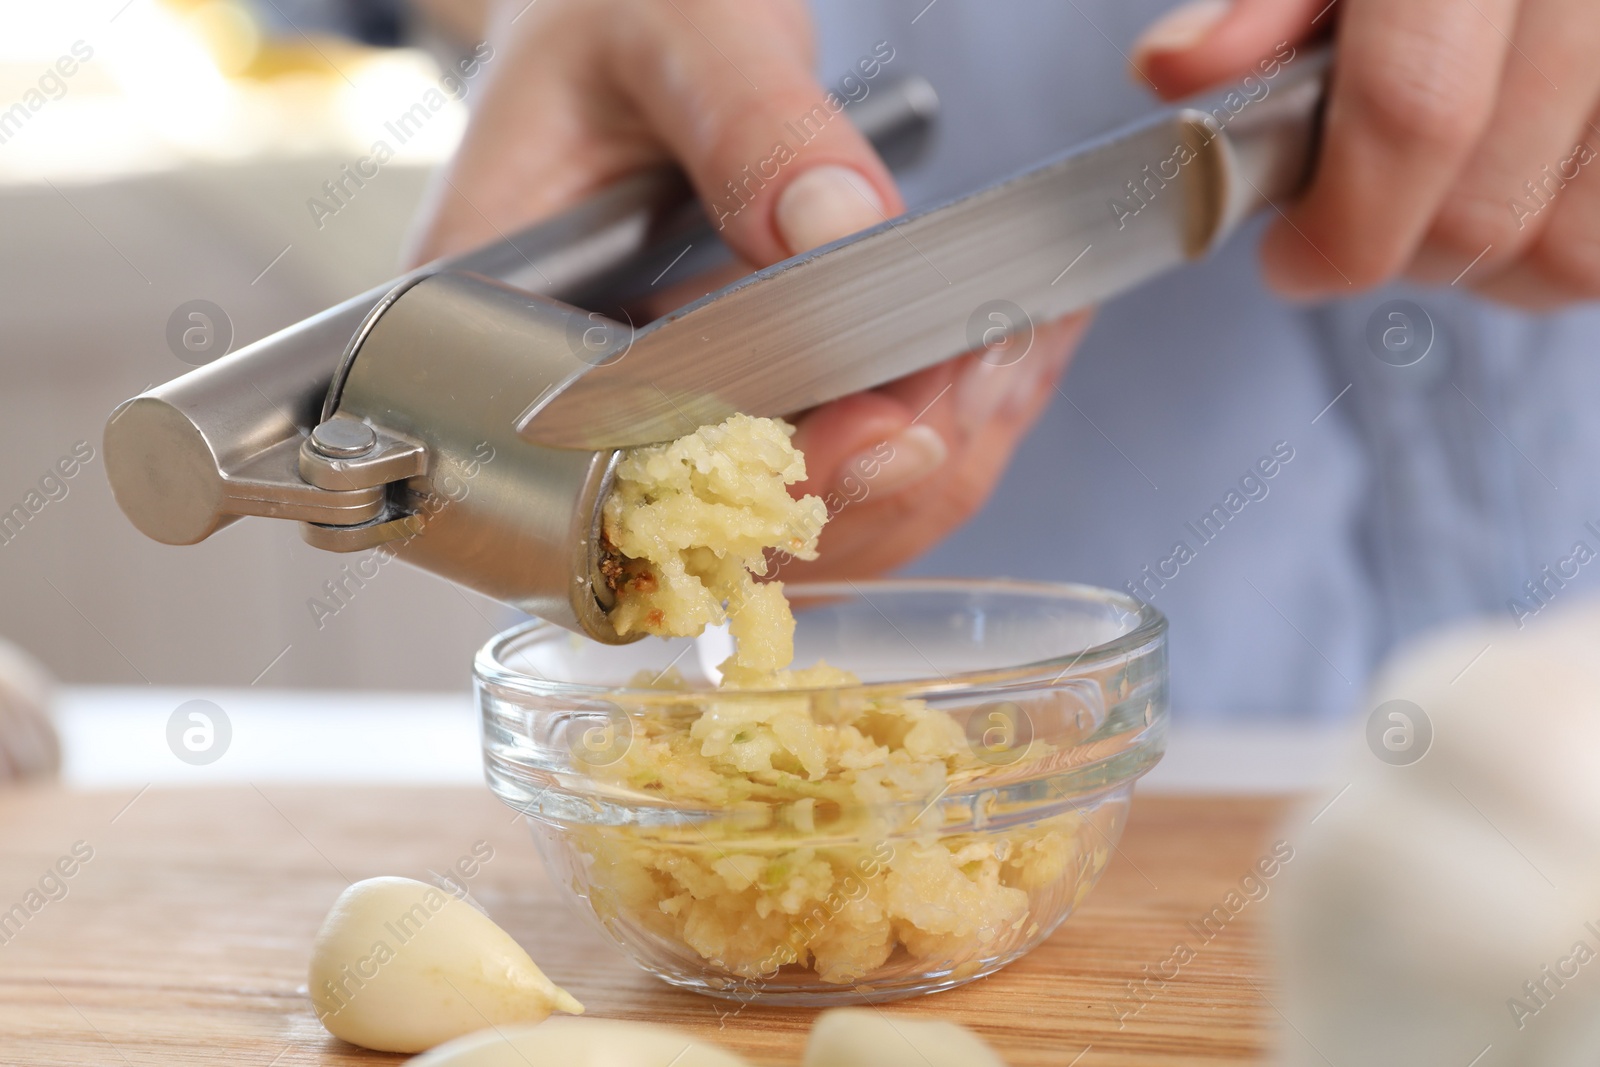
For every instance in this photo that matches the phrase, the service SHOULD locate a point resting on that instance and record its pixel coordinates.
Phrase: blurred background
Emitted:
(177, 164)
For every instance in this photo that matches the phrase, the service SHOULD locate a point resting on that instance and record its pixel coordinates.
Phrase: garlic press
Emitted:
(468, 416)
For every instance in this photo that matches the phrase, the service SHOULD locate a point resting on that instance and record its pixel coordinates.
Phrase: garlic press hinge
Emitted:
(344, 454)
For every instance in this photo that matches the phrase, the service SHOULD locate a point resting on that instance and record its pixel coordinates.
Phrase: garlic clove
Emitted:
(865, 1037)
(579, 1043)
(401, 966)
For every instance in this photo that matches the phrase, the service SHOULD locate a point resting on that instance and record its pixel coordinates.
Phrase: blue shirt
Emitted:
(1424, 493)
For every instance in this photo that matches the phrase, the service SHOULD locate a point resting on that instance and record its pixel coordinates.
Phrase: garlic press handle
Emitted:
(238, 437)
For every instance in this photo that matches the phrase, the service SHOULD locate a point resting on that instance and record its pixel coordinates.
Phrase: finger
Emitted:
(990, 433)
(1498, 206)
(878, 436)
(876, 527)
(997, 442)
(926, 416)
(839, 436)
(996, 384)
(727, 86)
(545, 129)
(1563, 264)
(1208, 42)
(1413, 88)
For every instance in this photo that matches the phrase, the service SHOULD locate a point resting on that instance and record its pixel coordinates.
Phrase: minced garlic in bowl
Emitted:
(924, 798)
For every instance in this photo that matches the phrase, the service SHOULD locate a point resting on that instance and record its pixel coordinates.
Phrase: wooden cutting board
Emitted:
(184, 938)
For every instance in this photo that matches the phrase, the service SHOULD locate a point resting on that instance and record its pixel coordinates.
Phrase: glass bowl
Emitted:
(1046, 702)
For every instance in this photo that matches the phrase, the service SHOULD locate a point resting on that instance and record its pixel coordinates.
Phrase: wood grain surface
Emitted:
(184, 938)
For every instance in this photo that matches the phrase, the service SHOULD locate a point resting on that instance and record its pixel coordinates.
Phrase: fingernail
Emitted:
(980, 392)
(905, 459)
(1180, 29)
(825, 204)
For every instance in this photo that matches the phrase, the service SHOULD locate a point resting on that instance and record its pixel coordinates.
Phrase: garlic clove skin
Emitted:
(579, 1043)
(401, 966)
(865, 1037)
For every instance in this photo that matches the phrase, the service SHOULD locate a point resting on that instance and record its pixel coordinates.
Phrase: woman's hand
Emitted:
(578, 93)
(1462, 142)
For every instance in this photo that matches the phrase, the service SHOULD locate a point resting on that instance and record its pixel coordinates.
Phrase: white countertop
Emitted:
(116, 736)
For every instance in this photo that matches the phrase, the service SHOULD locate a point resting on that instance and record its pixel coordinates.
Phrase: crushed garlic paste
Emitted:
(692, 521)
(688, 525)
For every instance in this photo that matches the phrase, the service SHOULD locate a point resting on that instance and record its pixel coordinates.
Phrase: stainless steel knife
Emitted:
(918, 289)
